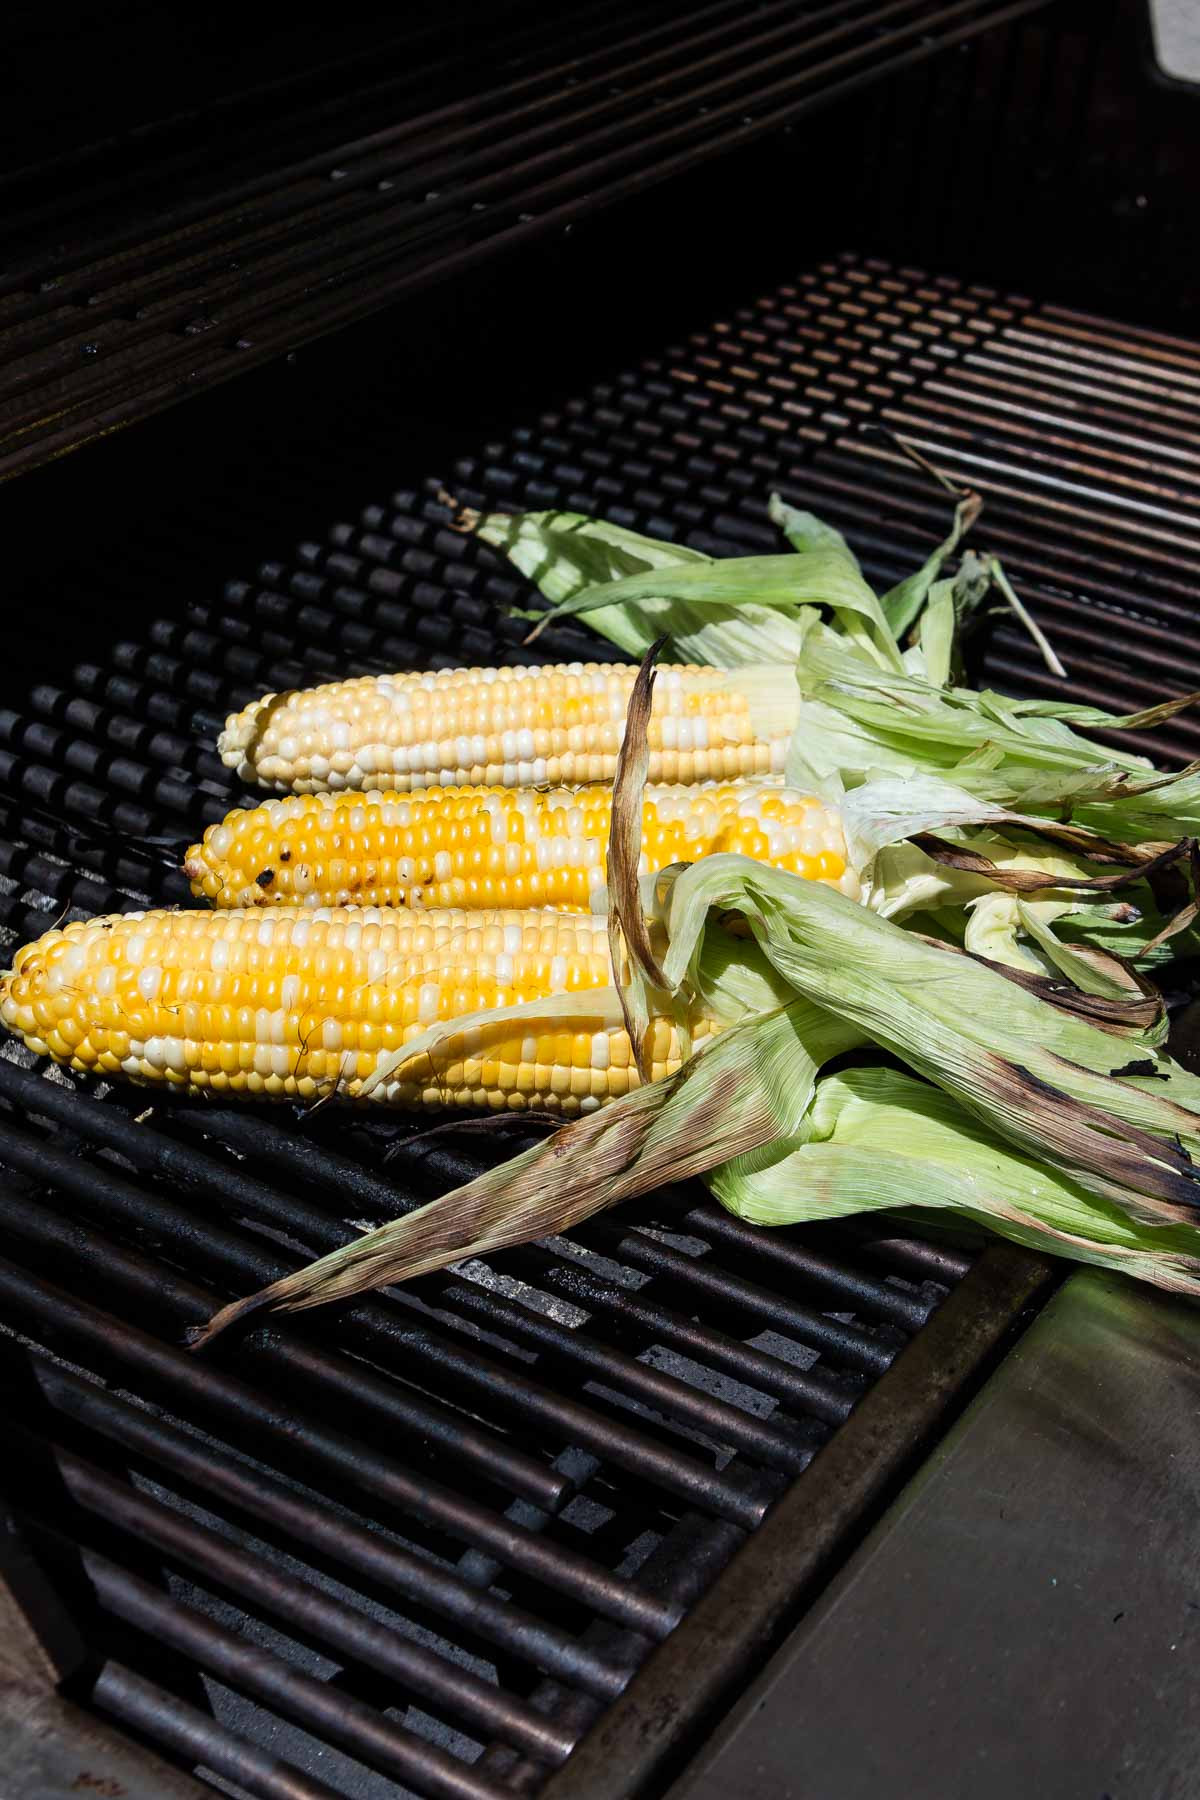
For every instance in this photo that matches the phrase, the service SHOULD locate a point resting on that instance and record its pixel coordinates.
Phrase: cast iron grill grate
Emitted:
(423, 1546)
(132, 285)
(439, 1534)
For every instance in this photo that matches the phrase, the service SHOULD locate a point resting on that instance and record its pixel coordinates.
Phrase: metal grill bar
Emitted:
(512, 124)
(371, 1558)
(332, 1377)
(150, 1150)
(339, 1719)
(197, 1739)
(845, 1343)
(769, 1444)
(808, 1391)
(378, 1330)
(65, 1323)
(864, 1294)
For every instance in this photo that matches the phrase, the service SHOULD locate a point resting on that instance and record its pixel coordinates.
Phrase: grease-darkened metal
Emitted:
(163, 287)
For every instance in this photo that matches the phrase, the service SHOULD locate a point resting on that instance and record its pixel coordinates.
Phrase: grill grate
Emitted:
(338, 1487)
(428, 161)
(422, 1547)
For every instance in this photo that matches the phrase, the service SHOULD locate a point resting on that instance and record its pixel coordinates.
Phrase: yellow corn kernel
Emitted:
(518, 727)
(302, 1003)
(489, 847)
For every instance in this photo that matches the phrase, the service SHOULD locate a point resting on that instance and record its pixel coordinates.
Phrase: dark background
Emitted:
(1046, 158)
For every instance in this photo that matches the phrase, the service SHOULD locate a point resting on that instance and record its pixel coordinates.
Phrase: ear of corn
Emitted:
(305, 1004)
(516, 727)
(487, 847)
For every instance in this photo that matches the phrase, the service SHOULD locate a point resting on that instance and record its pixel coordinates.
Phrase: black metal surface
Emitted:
(491, 1573)
(484, 1499)
(134, 281)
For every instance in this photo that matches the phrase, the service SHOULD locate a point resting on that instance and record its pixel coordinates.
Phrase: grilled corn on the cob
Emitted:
(480, 847)
(517, 727)
(303, 1004)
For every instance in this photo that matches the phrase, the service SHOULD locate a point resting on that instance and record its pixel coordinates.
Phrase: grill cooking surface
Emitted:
(454, 1521)
(422, 1546)
(440, 149)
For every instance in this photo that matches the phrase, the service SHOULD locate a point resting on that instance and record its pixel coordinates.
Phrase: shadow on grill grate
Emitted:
(434, 1536)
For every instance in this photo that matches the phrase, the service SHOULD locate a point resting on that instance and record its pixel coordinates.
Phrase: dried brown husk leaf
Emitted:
(627, 929)
(1138, 863)
(722, 1103)
(1140, 1011)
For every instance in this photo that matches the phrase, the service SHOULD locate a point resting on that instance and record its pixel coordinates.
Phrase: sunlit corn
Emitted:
(305, 1004)
(487, 847)
(516, 727)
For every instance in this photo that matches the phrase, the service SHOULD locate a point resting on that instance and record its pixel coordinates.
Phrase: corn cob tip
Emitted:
(235, 741)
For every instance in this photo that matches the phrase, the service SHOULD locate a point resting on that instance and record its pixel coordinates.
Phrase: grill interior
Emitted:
(441, 1531)
(427, 1546)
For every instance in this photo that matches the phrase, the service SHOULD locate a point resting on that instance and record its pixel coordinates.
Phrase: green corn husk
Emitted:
(875, 1139)
(570, 557)
(728, 612)
(856, 719)
(868, 706)
(868, 710)
(917, 845)
(1064, 1133)
(1051, 1081)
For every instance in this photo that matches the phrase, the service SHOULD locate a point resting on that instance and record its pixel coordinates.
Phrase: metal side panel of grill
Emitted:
(962, 1648)
(429, 1545)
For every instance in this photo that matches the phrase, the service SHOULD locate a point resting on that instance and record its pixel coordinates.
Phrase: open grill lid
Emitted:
(146, 267)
